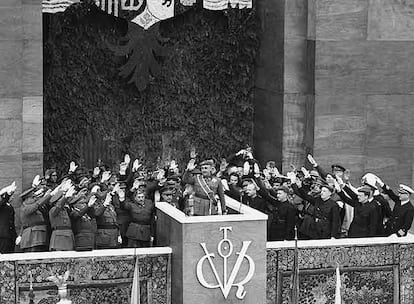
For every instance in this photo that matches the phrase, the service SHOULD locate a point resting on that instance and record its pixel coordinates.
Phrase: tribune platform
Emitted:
(217, 259)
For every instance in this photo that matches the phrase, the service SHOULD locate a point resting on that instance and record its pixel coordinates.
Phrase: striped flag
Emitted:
(135, 290)
(338, 287)
(56, 6)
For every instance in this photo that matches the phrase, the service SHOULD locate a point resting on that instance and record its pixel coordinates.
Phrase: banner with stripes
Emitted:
(56, 6)
(146, 13)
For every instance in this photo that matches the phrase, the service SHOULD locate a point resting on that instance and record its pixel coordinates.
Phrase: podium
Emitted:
(216, 259)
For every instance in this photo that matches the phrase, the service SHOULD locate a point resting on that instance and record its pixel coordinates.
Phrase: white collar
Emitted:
(405, 202)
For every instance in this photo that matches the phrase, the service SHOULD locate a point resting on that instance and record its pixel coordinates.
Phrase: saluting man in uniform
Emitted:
(34, 236)
(206, 187)
(108, 235)
(403, 213)
(62, 236)
(83, 222)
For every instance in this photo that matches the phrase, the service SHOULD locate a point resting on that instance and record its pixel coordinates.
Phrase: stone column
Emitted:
(21, 91)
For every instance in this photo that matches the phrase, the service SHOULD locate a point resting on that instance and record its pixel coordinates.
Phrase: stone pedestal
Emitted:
(216, 259)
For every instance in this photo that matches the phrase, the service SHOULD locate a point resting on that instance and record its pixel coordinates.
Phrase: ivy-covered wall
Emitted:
(201, 94)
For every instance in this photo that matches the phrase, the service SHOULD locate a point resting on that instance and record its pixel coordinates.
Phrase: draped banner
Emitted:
(146, 13)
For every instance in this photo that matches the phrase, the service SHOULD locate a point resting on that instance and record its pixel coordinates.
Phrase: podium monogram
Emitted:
(226, 282)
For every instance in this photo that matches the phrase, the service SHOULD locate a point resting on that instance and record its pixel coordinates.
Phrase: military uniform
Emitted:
(402, 215)
(83, 225)
(34, 235)
(141, 227)
(205, 188)
(108, 230)
(123, 218)
(62, 237)
(7, 227)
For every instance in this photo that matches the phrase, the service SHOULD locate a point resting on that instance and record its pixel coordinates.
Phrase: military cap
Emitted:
(283, 188)
(174, 177)
(373, 187)
(207, 162)
(405, 189)
(336, 167)
(166, 190)
(246, 180)
(365, 189)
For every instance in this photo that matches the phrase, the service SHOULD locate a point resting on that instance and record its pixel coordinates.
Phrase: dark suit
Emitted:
(282, 220)
(365, 222)
(324, 221)
(7, 228)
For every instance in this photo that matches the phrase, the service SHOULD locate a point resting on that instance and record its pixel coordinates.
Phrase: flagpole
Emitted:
(338, 298)
(294, 288)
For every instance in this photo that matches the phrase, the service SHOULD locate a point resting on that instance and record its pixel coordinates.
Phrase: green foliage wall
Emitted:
(203, 95)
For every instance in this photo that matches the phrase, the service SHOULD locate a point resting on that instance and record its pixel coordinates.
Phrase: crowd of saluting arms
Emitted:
(102, 208)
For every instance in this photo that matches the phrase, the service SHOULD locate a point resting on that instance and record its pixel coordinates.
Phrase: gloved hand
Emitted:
(71, 191)
(246, 168)
(72, 167)
(108, 200)
(193, 153)
(191, 165)
(116, 188)
(92, 201)
(105, 176)
(66, 185)
(96, 172)
(305, 172)
(95, 189)
(337, 186)
(119, 239)
(36, 181)
(136, 165)
(292, 177)
(122, 168)
(18, 240)
(121, 195)
(127, 159)
(312, 160)
(160, 175)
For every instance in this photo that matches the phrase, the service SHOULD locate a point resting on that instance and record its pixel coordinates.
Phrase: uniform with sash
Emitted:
(205, 190)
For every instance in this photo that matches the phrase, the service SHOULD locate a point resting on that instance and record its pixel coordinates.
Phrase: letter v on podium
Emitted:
(226, 282)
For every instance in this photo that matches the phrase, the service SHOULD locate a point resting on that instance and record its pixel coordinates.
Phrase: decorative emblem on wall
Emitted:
(337, 256)
(225, 250)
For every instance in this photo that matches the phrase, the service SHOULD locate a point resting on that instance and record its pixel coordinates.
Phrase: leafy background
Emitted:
(201, 94)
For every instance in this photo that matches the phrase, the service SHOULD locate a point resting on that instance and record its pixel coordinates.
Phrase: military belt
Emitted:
(107, 227)
(62, 228)
(35, 224)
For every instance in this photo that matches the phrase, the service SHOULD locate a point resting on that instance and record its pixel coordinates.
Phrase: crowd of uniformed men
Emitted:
(101, 209)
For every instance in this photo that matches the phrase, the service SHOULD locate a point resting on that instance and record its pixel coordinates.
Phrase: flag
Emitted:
(135, 290)
(294, 284)
(56, 6)
(338, 287)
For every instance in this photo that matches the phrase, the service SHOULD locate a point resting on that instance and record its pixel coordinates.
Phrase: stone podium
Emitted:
(218, 258)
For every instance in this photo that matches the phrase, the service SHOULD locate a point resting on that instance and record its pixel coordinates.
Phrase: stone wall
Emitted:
(346, 69)
(103, 276)
(21, 92)
(364, 86)
(376, 270)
